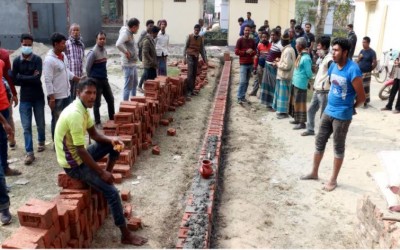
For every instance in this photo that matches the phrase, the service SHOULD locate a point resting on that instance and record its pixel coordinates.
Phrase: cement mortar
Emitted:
(198, 223)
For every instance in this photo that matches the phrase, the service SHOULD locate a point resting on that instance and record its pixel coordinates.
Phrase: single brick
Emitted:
(164, 122)
(65, 181)
(40, 216)
(123, 118)
(171, 132)
(19, 242)
(156, 150)
(123, 169)
(134, 223)
(125, 195)
(117, 178)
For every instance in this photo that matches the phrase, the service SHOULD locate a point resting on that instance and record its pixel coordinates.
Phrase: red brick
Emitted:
(21, 242)
(65, 181)
(126, 129)
(127, 140)
(40, 216)
(123, 169)
(117, 178)
(183, 232)
(152, 85)
(75, 230)
(42, 237)
(134, 223)
(156, 150)
(125, 157)
(68, 200)
(141, 99)
(171, 132)
(127, 210)
(73, 211)
(125, 195)
(123, 118)
(86, 194)
(164, 122)
(127, 108)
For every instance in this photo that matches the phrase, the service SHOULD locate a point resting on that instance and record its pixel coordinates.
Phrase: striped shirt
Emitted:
(75, 51)
(275, 52)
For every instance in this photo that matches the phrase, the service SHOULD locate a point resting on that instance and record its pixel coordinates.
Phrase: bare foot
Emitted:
(309, 177)
(133, 239)
(329, 186)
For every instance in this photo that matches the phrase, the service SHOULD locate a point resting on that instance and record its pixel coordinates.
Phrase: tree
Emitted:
(340, 17)
(322, 12)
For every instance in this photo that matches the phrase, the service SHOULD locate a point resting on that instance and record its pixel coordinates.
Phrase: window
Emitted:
(251, 1)
(35, 19)
(180, 1)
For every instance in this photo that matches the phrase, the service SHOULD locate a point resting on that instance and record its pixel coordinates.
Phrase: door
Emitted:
(47, 18)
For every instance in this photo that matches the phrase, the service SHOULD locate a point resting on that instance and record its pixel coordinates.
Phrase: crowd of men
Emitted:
(282, 62)
(75, 82)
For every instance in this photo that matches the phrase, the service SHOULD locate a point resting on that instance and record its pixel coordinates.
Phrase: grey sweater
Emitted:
(126, 42)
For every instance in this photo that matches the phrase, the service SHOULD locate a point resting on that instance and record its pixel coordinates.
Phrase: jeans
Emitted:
(60, 105)
(91, 177)
(319, 99)
(4, 198)
(131, 81)
(192, 63)
(395, 89)
(103, 88)
(25, 111)
(339, 128)
(162, 65)
(245, 74)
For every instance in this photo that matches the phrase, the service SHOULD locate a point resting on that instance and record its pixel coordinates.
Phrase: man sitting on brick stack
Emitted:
(80, 163)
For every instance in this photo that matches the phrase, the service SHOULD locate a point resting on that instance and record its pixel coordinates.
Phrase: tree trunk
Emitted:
(322, 12)
(107, 7)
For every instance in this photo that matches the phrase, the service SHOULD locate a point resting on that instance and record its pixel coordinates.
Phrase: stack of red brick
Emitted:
(72, 218)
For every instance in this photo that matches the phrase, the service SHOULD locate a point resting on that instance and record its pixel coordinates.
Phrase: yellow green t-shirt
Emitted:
(70, 132)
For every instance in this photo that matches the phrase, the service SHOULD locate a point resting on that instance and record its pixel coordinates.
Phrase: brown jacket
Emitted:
(149, 53)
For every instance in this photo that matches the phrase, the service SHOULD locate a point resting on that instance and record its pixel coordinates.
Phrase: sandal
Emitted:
(12, 172)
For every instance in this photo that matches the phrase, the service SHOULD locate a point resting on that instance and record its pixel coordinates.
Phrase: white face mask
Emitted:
(26, 50)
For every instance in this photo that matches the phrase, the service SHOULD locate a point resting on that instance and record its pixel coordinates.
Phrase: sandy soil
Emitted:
(158, 199)
(265, 205)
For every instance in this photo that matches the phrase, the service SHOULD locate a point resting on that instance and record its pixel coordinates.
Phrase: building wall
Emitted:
(276, 12)
(378, 20)
(181, 16)
(90, 24)
(12, 28)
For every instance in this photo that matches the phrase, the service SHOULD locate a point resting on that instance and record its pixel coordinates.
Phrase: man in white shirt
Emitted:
(162, 48)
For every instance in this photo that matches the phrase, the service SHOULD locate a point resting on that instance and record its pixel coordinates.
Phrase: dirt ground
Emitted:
(265, 205)
(158, 185)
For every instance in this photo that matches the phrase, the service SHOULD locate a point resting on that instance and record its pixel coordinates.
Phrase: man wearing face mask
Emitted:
(321, 84)
(75, 52)
(27, 70)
